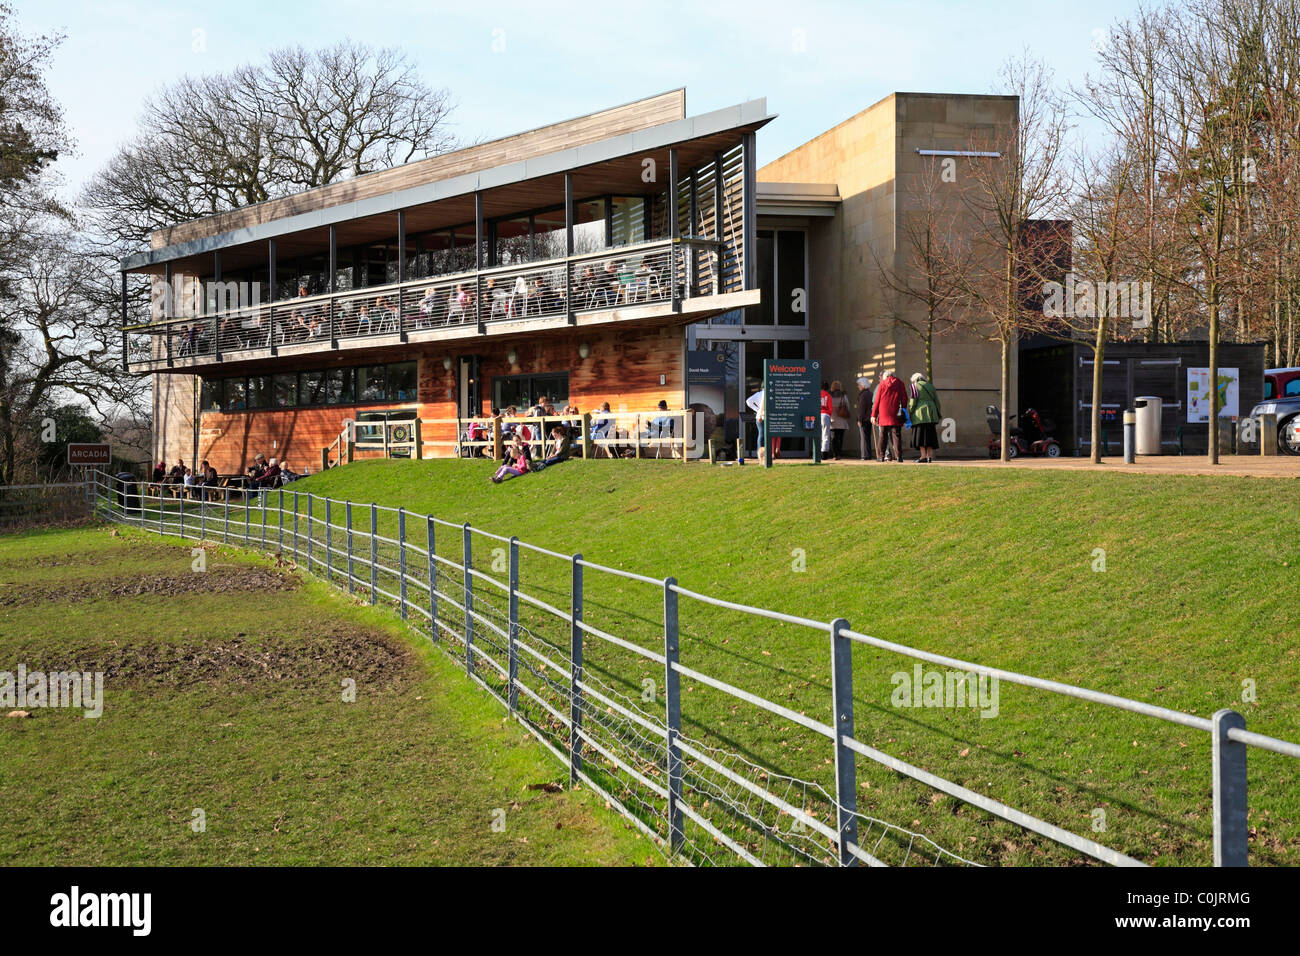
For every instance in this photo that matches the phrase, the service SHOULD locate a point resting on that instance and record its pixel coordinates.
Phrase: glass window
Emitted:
(548, 234)
(589, 226)
(791, 279)
(259, 391)
(512, 242)
(340, 386)
(402, 381)
(462, 259)
(284, 389)
(210, 395)
(765, 250)
(311, 387)
(628, 220)
(370, 384)
(236, 390)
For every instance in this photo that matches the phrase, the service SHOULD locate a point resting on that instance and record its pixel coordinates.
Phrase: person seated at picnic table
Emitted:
(159, 473)
(177, 474)
(363, 318)
(257, 468)
(270, 476)
(287, 474)
(191, 482)
(517, 462)
(208, 478)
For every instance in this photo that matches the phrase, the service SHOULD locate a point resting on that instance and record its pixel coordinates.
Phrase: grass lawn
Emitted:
(224, 692)
(996, 565)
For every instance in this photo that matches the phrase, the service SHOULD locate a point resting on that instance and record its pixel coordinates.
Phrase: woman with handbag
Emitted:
(839, 418)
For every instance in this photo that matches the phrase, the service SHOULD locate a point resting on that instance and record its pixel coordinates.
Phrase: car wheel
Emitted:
(1288, 435)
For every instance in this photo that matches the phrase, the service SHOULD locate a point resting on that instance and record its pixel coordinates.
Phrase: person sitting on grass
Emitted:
(561, 448)
(516, 463)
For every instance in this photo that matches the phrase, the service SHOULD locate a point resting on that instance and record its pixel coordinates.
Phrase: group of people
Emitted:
(882, 414)
(185, 482)
(519, 455)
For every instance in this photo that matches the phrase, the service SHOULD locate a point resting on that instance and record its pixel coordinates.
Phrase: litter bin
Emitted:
(128, 494)
(1148, 409)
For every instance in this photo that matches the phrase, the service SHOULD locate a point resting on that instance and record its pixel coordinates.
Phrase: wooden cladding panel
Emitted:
(623, 368)
(631, 117)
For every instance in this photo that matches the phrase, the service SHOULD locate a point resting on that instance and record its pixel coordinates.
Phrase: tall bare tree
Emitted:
(1022, 179)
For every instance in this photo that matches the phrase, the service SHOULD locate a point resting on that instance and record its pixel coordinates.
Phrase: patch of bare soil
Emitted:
(214, 581)
(370, 658)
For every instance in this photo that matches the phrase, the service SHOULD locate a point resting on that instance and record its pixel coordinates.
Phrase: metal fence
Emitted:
(22, 505)
(549, 656)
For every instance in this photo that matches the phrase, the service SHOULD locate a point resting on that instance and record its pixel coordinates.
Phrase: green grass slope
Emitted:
(1195, 610)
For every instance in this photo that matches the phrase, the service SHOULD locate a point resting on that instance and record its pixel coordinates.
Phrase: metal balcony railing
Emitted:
(650, 273)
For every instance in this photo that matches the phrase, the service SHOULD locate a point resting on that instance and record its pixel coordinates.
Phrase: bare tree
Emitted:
(931, 257)
(1021, 178)
(304, 118)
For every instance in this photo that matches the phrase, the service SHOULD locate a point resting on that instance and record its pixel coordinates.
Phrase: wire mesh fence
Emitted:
(598, 664)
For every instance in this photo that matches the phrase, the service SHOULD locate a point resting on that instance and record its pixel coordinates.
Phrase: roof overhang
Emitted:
(797, 199)
(741, 118)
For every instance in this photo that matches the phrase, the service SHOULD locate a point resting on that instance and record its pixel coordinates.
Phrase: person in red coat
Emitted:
(887, 417)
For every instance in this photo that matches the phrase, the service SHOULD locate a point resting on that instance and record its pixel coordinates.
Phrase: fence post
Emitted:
(433, 584)
(467, 563)
(225, 531)
(279, 534)
(575, 669)
(246, 501)
(497, 453)
(673, 702)
(587, 450)
(295, 526)
(401, 562)
(309, 531)
(512, 629)
(1229, 756)
(846, 796)
(181, 517)
(374, 553)
(162, 528)
(203, 513)
(347, 519)
(329, 541)
(262, 500)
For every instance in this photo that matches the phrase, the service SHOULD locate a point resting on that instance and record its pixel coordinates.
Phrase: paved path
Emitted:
(1256, 466)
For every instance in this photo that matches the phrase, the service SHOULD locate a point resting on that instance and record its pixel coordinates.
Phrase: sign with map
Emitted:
(1198, 394)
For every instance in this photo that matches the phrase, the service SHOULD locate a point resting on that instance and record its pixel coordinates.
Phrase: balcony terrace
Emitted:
(589, 235)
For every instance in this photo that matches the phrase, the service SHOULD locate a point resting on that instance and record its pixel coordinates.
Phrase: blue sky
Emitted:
(513, 66)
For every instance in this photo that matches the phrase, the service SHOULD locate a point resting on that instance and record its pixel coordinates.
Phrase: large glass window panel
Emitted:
(236, 390)
(588, 226)
(548, 234)
(791, 278)
(628, 220)
(259, 391)
(210, 397)
(401, 382)
(370, 384)
(463, 255)
(284, 389)
(512, 242)
(340, 386)
(311, 388)
(765, 251)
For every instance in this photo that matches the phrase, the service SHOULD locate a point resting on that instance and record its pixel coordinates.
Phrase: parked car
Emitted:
(1287, 411)
(1281, 383)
